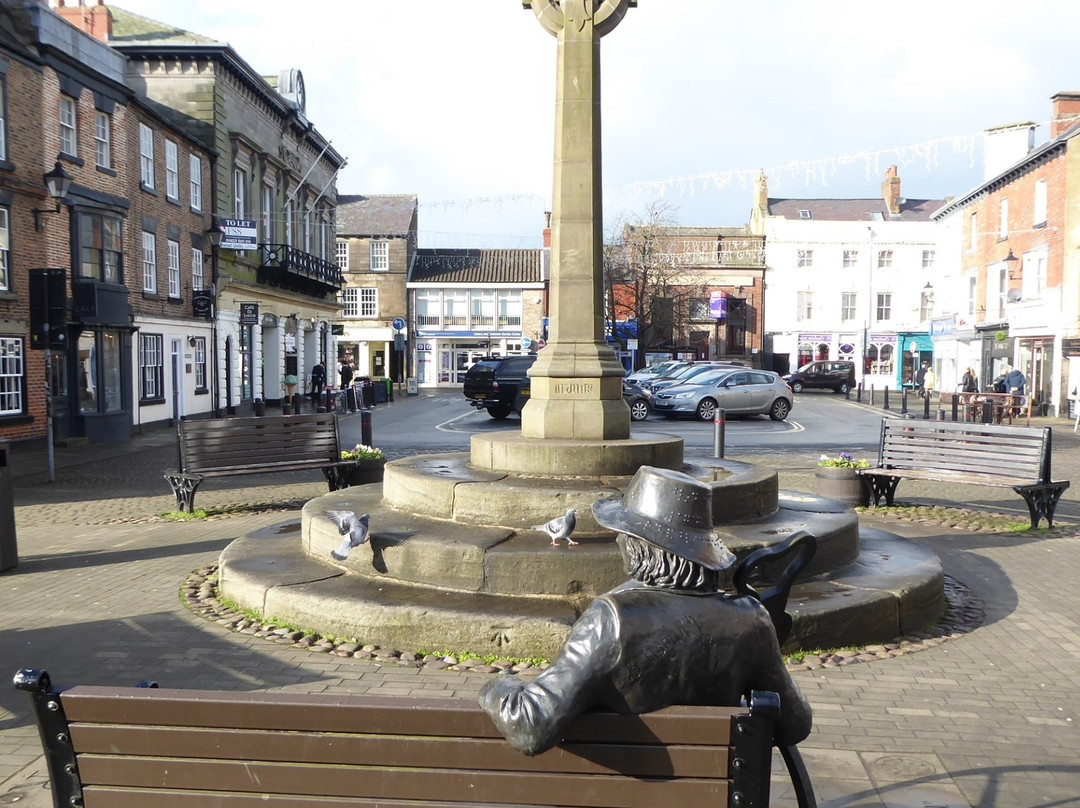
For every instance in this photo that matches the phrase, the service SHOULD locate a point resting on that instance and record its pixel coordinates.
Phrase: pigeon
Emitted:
(560, 527)
(353, 528)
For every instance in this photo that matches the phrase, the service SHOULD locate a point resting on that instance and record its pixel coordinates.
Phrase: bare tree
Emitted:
(640, 278)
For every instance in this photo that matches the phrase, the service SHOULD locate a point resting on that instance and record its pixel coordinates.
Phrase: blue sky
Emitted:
(453, 100)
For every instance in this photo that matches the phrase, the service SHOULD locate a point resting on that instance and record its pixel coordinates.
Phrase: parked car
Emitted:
(738, 391)
(652, 371)
(492, 383)
(637, 398)
(686, 375)
(835, 375)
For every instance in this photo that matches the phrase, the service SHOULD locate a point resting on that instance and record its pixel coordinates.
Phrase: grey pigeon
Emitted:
(560, 527)
(353, 528)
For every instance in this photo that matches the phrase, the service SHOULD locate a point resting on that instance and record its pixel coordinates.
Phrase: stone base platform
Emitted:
(430, 583)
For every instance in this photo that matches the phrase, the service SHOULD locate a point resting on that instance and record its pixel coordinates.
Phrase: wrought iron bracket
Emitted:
(55, 736)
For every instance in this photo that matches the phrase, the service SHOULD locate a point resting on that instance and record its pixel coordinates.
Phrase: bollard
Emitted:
(903, 402)
(719, 425)
(956, 408)
(365, 427)
(296, 400)
(885, 401)
(988, 412)
(940, 414)
(926, 406)
(858, 394)
(847, 393)
(870, 400)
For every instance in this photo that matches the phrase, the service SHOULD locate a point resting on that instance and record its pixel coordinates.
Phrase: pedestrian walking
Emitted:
(920, 375)
(318, 381)
(928, 382)
(969, 383)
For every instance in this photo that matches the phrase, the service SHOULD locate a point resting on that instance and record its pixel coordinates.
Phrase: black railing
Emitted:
(285, 265)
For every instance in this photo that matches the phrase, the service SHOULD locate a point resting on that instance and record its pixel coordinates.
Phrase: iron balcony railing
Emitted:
(289, 259)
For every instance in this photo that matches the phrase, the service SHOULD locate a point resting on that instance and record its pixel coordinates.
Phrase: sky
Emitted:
(453, 100)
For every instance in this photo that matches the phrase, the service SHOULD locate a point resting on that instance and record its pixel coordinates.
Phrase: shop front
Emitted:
(912, 349)
(443, 359)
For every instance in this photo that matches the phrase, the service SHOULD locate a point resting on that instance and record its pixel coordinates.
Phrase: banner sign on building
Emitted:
(202, 304)
(239, 234)
(718, 306)
(249, 314)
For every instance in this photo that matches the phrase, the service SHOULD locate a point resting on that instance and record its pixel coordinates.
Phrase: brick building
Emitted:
(1017, 274)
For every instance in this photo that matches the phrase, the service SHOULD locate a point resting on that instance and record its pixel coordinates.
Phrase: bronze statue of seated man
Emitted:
(667, 636)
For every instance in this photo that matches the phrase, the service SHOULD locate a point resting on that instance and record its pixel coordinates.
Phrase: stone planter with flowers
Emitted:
(370, 463)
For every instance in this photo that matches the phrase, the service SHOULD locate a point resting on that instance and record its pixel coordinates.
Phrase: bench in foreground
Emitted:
(112, 747)
(226, 447)
(976, 454)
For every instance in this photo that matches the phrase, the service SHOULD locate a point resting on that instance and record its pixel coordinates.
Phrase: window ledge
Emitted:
(150, 402)
(148, 189)
(105, 170)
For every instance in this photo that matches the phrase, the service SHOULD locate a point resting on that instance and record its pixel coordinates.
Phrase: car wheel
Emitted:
(796, 387)
(706, 410)
(844, 388)
(499, 413)
(780, 409)
(639, 410)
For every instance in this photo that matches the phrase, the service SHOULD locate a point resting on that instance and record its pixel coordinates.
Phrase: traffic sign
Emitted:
(540, 344)
(399, 323)
(526, 343)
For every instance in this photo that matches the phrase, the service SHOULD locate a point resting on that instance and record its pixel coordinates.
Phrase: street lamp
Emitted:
(214, 234)
(57, 182)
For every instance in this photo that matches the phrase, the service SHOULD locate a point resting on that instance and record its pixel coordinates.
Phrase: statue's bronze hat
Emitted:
(671, 510)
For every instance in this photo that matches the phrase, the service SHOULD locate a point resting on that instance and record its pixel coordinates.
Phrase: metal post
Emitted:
(50, 453)
(870, 400)
(926, 405)
(885, 393)
(956, 407)
(858, 394)
(988, 412)
(365, 428)
(903, 402)
(719, 425)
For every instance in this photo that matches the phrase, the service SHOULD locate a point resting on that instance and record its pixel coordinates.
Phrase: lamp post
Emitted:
(213, 234)
(57, 183)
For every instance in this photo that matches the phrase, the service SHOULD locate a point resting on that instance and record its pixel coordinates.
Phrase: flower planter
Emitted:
(366, 471)
(841, 484)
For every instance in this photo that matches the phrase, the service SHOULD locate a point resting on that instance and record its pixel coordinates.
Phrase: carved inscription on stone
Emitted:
(572, 389)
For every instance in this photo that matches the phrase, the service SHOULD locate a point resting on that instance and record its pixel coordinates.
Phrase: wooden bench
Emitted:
(112, 747)
(226, 447)
(978, 454)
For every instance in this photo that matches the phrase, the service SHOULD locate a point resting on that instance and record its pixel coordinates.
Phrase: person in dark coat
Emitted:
(667, 636)
(318, 381)
(969, 383)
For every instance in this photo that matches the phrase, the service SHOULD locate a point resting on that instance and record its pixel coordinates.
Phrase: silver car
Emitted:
(737, 391)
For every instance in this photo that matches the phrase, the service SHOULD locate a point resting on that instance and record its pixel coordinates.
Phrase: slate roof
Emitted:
(129, 28)
(476, 266)
(854, 210)
(362, 216)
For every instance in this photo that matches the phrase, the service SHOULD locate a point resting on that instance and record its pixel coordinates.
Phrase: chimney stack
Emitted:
(890, 191)
(1066, 112)
(547, 229)
(95, 21)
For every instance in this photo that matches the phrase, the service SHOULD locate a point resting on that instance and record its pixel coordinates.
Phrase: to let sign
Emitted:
(238, 234)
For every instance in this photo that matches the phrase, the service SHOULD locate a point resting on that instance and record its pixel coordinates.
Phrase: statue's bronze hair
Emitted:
(654, 566)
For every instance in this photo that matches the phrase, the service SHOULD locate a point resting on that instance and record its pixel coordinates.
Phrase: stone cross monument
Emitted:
(577, 379)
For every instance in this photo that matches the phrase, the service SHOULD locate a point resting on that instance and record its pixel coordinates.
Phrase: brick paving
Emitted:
(989, 719)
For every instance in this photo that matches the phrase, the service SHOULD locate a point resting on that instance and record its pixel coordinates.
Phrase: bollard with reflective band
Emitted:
(719, 424)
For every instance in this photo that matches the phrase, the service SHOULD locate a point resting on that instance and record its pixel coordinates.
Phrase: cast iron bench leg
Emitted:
(881, 486)
(1041, 500)
(183, 487)
(800, 779)
(337, 477)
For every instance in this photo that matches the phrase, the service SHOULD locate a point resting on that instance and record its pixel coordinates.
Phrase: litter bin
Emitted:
(9, 551)
(411, 388)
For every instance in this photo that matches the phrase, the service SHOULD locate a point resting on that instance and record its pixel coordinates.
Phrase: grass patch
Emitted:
(184, 516)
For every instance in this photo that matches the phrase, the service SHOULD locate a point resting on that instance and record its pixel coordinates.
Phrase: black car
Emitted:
(637, 398)
(838, 376)
(492, 384)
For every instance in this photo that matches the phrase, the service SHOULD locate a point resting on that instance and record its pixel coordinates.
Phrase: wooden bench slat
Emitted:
(649, 760)
(680, 724)
(471, 787)
(112, 797)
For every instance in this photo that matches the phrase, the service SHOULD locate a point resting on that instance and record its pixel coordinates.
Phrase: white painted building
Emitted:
(850, 279)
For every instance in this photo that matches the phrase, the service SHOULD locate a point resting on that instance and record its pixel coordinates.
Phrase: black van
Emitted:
(830, 374)
(492, 383)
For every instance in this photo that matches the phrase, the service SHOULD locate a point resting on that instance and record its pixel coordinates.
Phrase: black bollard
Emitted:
(926, 406)
(858, 393)
(903, 402)
(988, 412)
(365, 427)
(885, 393)
(955, 408)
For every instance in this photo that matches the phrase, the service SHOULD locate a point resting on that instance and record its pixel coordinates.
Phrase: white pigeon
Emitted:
(560, 527)
(353, 528)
